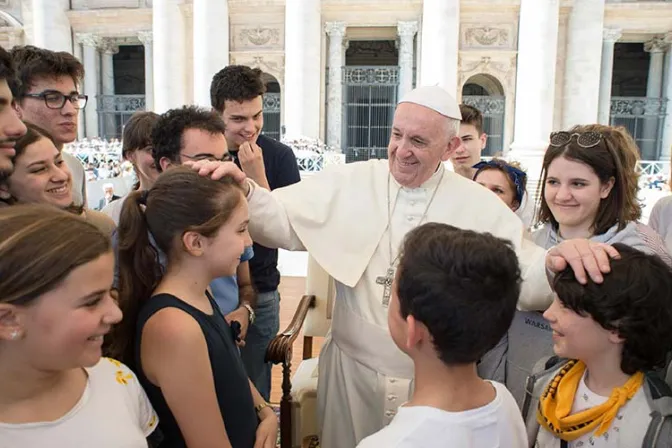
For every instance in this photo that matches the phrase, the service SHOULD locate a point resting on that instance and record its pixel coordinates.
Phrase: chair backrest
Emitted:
(322, 286)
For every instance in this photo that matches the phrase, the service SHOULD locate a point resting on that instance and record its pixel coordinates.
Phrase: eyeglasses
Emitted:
(584, 139)
(56, 100)
(225, 158)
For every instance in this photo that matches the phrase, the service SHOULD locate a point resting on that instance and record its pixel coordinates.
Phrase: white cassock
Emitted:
(340, 216)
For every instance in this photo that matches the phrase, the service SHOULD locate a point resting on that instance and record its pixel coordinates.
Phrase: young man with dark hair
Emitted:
(236, 93)
(191, 134)
(11, 126)
(611, 337)
(473, 139)
(452, 300)
(48, 96)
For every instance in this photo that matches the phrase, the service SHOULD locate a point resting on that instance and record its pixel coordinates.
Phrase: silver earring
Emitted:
(14, 335)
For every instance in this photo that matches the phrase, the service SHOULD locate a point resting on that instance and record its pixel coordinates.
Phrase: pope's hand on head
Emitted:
(583, 256)
(216, 170)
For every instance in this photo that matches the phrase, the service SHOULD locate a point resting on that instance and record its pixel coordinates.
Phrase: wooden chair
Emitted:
(298, 407)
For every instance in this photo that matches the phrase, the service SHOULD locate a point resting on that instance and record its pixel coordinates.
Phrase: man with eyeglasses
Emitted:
(48, 96)
(193, 134)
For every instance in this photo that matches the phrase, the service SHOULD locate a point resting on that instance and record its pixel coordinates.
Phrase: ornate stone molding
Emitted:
(273, 64)
(146, 37)
(335, 29)
(88, 39)
(260, 36)
(487, 37)
(668, 37)
(656, 45)
(612, 34)
(407, 29)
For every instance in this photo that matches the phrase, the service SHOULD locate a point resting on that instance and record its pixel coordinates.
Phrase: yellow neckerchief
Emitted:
(556, 402)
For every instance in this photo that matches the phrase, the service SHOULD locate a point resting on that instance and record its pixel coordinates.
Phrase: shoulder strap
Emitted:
(542, 373)
(659, 397)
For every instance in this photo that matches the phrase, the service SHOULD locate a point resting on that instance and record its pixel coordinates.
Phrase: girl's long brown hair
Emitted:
(180, 201)
(614, 157)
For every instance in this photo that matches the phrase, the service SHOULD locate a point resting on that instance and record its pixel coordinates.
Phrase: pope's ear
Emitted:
(453, 144)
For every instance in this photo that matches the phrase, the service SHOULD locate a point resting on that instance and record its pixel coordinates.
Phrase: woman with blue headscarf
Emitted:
(504, 179)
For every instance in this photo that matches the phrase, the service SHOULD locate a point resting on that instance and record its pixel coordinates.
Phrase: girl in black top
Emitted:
(174, 335)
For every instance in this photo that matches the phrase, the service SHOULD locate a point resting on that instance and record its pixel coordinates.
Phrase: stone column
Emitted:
(146, 39)
(666, 150)
(609, 38)
(581, 90)
(303, 37)
(440, 44)
(535, 78)
(336, 32)
(50, 25)
(91, 60)
(108, 49)
(211, 45)
(81, 129)
(654, 90)
(169, 55)
(406, 32)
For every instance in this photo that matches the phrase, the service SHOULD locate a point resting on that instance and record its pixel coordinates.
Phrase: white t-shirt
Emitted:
(626, 431)
(495, 425)
(113, 412)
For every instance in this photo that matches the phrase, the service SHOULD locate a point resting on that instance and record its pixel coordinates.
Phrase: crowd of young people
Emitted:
(125, 328)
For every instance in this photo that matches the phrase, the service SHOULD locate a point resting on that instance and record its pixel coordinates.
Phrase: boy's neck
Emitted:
(454, 388)
(604, 374)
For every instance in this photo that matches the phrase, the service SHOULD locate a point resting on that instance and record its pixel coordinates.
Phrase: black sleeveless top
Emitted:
(231, 382)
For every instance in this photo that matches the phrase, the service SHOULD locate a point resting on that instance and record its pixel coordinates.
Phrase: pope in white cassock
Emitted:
(352, 219)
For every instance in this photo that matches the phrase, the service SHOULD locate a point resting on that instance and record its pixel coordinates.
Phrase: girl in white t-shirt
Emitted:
(55, 309)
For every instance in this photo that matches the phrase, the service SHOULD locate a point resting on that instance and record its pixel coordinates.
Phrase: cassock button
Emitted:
(391, 397)
(390, 414)
(412, 203)
(410, 218)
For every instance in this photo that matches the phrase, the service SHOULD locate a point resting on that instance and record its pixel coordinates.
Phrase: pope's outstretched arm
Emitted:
(269, 223)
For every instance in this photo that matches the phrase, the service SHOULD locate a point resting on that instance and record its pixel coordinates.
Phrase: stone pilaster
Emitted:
(336, 32)
(146, 37)
(581, 90)
(440, 44)
(406, 32)
(609, 38)
(303, 37)
(91, 60)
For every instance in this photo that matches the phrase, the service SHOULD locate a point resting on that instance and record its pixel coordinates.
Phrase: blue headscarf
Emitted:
(517, 176)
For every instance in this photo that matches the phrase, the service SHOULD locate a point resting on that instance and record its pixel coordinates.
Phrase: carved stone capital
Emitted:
(335, 29)
(668, 37)
(407, 29)
(655, 45)
(109, 46)
(146, 37)
(611, 34)
(88, 39)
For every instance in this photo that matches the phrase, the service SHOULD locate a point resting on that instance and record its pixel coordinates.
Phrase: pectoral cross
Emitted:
(386, 282)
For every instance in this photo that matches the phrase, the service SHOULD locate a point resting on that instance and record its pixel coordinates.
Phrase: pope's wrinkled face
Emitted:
(421, 139)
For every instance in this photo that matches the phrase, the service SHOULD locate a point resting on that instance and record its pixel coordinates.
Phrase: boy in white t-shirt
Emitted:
(453, 299)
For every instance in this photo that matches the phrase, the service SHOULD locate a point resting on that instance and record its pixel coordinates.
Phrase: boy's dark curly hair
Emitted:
(635, 300)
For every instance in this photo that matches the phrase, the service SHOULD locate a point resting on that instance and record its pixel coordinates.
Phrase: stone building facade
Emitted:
(335, 68)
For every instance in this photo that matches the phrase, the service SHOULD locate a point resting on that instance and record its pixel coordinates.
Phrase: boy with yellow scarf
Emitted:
(612, 336)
